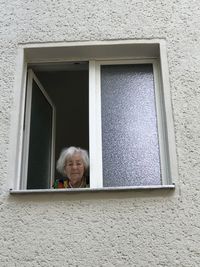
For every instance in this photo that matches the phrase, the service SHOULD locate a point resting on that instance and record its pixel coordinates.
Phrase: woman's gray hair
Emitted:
(67, 153)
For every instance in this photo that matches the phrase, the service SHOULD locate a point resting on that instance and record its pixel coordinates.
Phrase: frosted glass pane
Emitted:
(129, 126)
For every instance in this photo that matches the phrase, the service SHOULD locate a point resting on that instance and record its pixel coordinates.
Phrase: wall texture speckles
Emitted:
(153, 228)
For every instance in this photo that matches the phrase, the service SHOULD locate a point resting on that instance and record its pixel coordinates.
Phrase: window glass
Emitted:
(129, 126)
(39, 162)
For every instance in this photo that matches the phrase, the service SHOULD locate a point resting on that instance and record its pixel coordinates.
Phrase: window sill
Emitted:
(93, 190)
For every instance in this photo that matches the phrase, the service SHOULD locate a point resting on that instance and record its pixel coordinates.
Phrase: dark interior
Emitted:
(67, 86)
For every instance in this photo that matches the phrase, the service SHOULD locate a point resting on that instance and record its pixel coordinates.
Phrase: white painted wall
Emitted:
(151, 228)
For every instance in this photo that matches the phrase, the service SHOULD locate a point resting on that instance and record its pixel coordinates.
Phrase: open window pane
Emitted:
(40, 143)
(62, 87)
(130, 146)
(67, 85)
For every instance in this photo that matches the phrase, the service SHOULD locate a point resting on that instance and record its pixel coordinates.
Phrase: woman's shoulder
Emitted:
(61, 183)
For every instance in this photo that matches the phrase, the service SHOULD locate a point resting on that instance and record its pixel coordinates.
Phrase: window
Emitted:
(109, 98)
(130, 143)
(56, 116)
(38, 146)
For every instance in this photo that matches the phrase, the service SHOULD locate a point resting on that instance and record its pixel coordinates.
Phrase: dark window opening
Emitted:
(67, 86)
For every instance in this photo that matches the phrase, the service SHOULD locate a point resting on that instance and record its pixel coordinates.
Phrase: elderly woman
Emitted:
(73, 164)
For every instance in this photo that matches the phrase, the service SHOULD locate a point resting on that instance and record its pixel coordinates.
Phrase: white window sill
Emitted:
(93, 190)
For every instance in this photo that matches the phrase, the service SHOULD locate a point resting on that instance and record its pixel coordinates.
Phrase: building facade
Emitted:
(145, 224)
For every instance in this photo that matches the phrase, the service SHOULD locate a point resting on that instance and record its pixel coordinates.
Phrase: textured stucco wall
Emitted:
(106, 229)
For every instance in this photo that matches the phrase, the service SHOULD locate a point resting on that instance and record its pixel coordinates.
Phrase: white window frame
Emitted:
(95, 119)
(96, 53)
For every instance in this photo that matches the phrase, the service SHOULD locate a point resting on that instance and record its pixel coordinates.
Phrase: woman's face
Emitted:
(74, 168)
